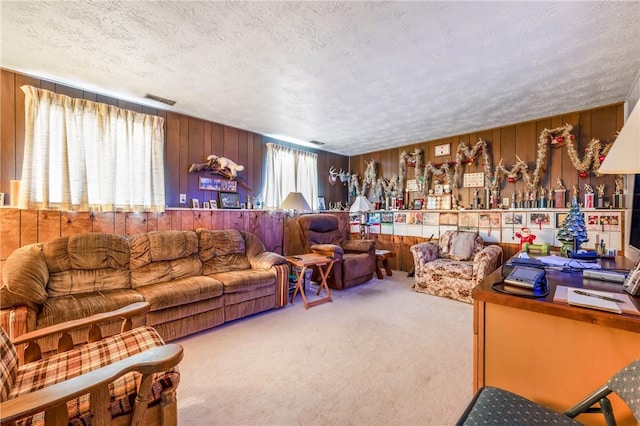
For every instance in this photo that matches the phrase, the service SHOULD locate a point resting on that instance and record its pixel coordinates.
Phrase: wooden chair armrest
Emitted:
(127, 312)
(154, 360)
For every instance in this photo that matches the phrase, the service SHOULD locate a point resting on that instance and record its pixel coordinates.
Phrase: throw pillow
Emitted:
(463, 245)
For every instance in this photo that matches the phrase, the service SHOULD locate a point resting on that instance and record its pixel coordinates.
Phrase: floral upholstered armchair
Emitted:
(453, 265)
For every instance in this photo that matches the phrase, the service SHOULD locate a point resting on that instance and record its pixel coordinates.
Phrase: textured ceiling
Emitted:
(358, 76)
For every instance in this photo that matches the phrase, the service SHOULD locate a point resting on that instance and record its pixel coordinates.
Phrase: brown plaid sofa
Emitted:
(22, 380)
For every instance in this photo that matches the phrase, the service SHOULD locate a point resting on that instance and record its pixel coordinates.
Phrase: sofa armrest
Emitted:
(332, 250)
(360, 246)
(486, 261)
(422, 254)
(266, 260)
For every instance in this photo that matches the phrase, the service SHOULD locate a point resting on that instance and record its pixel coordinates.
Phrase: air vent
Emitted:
(317, 143)
(159, 99)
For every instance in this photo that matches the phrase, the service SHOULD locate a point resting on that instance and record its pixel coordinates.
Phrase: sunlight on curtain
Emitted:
(82, 155)
(290, 170)
(307, 177)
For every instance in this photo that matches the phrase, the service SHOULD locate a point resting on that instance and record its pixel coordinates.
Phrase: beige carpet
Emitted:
(380, 354)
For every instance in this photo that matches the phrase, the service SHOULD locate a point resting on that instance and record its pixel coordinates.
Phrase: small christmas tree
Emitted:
(573, 230)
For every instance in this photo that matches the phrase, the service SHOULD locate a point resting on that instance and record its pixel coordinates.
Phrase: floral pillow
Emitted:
(463, 245)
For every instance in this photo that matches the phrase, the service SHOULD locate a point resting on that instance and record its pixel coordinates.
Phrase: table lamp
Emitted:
(624, 155)
(294, 202)
(361, 205)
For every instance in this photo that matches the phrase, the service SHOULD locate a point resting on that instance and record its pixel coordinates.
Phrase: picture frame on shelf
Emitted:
(321, 204)
(417, 204)
(229, 200)
(206, 205)
(243, 206)
(195, 203)
(213, 204)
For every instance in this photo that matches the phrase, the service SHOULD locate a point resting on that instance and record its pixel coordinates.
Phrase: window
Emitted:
(281, 163)
(83, 155)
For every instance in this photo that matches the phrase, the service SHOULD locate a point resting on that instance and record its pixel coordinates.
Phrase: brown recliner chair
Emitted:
(356, 259)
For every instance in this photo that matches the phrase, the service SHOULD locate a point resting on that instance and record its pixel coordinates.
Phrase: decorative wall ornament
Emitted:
(221, 166)
(334, 176)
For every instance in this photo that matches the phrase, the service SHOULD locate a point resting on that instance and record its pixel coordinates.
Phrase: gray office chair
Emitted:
(492, 405)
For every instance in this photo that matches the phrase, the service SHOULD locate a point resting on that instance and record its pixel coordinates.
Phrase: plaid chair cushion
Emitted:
(89, 357)
(8, 365)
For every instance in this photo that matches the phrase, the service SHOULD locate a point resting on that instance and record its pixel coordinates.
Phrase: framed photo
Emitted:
(417, 204)
(540, 220)
(560, 217)
(243, 206)
(206, 205)
(321, 204)
(214, 204)
(213, 184)
(513, 219)
(195, 204)
(229, 200)
(489, 220)
(468, 220)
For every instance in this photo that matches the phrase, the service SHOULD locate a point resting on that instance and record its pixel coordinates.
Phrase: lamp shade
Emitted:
(295, 201)
(624, 155)
(361, 204)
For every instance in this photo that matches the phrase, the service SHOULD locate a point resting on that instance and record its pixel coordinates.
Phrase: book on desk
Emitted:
(596, 299)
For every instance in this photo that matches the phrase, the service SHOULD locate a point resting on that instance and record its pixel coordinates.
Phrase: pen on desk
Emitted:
(610, 299)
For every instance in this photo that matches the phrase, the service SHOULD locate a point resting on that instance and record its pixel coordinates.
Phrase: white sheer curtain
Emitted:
(83, 155)
(290, 170)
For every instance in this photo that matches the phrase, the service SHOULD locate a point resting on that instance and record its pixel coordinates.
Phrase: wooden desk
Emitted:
(306, 261)
(553, 353)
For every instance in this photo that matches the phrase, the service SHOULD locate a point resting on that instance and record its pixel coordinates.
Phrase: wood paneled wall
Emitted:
(187, 140)
(519, 139)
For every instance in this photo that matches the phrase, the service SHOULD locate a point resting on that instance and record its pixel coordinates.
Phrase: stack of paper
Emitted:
(593, 299)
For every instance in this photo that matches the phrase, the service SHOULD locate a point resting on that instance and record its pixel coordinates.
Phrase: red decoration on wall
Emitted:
(583, 174)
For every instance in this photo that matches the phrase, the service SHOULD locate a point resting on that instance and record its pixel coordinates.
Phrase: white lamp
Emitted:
(295, 201)
(624, 156)
(361, 205)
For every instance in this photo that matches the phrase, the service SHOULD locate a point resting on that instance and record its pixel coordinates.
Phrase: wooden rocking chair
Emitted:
(128, 378)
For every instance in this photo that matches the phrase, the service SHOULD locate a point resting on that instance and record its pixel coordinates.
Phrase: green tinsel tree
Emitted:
(573, 229)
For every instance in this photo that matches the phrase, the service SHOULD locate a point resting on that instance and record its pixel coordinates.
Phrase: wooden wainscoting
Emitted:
(21, 227)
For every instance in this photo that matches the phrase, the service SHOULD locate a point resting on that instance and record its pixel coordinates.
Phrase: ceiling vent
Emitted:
(159, 99)
(317, 143)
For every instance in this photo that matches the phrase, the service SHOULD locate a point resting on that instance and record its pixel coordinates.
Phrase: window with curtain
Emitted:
(290, 170)
(82, 155)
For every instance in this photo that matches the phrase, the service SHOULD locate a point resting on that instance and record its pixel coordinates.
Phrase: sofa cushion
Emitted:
(235, 281)
(161, 256)
(181, 291)
(222, 251)
(463, 245)
(67, 308)
(157, 246)
(87, 262)
(450, 268)
(24, 277)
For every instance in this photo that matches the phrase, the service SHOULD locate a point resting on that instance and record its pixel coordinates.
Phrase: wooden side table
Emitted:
(382, 256)
(306, 261)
